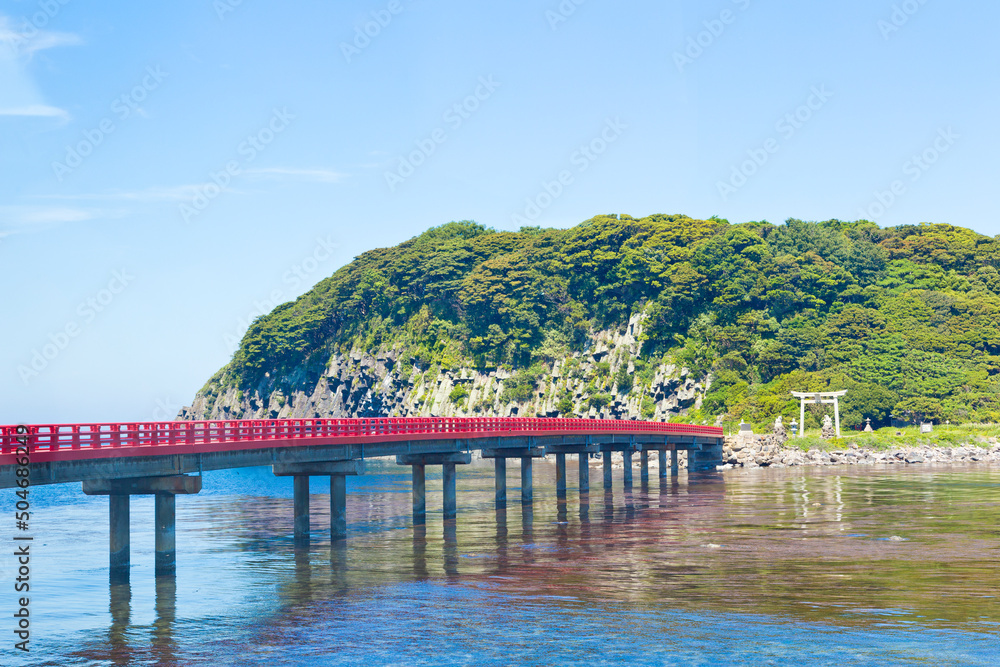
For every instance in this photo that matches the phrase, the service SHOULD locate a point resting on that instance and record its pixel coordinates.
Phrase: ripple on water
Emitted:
(746, 568)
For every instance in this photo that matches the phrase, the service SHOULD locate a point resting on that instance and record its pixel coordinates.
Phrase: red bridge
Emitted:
(121, 460)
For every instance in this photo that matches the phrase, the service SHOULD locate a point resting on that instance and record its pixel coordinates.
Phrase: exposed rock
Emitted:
(769, 450)
(390, 383)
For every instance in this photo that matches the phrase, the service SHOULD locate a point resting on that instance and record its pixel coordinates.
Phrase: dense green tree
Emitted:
(905, 318)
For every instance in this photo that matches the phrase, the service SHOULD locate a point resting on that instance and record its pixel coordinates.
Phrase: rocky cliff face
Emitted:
(389, 383)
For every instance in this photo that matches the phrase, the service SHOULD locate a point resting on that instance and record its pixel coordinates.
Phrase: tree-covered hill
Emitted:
(906, 318)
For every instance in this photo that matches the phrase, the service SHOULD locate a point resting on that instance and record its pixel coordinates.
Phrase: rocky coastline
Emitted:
(772, 450)
(769, 451)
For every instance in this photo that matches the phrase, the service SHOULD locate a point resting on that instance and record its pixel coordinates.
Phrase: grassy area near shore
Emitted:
(956, 435)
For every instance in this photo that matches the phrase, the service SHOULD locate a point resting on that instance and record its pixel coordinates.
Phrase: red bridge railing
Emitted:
(70, 441)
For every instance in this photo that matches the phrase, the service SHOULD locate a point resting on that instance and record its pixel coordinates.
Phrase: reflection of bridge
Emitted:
(121, 460)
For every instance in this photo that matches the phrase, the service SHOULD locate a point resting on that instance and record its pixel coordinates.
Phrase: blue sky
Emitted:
(169, 171)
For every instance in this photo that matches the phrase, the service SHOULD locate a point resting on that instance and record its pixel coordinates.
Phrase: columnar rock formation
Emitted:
(391, 383)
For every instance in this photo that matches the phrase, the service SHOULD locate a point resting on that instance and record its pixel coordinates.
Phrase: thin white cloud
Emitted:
(26, 41)
(35, 110)
(147, 195)
(22, 216)
(320, 175)
(19, 95)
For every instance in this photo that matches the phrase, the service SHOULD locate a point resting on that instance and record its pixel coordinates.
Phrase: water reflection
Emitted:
(420, 550)
(796, 545)
(120, 607)
(501, 540)
(451, 548)
(163, 642)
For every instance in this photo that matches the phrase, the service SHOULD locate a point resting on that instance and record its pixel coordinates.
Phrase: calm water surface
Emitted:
(847, 566)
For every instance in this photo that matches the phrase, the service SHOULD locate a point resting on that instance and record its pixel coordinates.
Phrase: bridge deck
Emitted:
(61, 453)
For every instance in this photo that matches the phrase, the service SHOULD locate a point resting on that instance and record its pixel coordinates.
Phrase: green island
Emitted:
(663, 317)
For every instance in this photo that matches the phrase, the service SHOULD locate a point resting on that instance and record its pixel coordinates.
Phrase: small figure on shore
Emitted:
(868, 427)
(827, 432)
(779, 428)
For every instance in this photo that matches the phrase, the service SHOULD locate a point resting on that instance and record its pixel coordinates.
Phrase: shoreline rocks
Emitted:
(771, 451)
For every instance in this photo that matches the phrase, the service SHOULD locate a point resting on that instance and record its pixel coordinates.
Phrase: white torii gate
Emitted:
(818, 397)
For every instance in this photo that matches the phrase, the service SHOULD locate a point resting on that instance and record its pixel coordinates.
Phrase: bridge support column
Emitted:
(627, 465)
(337, 472)
(526, 454)
(164, 489)
(338, 507)
(583, 451)
(165, 511)
(607, 470)
(561, 476)
(500, 464)
(706, 458)
(300, 505)
(419, 495)
(675, 465)
(527, 494)
(450, 492)
(119, 542)
(448, 461)
(644, 468)
(663, 464)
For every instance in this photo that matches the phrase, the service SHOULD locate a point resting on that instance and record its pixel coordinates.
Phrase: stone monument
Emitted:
(868, 425)
(827, 431)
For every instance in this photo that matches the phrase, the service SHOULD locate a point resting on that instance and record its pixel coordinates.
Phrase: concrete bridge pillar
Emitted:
(583, 451)
(165, 515)
(119, 543)
(500, 463)
(607, 470)
(527, 493)
(663, 464)
(450, 492)
(674, 463)
(300, 502)
(644, 468)
(561, 476)
(706, 457)
(627, 462)
(419, 495)
(337, 471)
(119, 492)
(500, 456)
(448, 461)
(338, 507)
